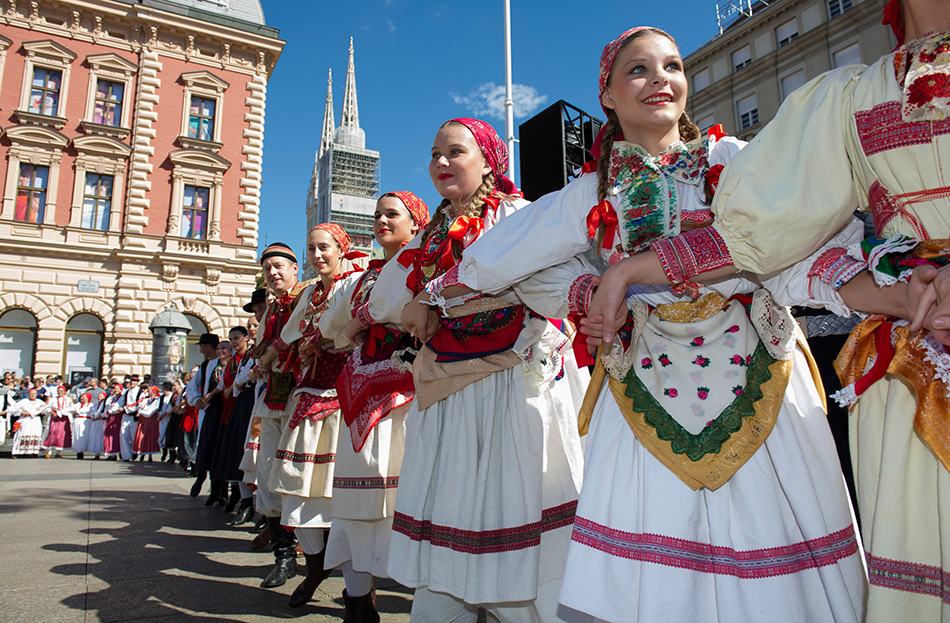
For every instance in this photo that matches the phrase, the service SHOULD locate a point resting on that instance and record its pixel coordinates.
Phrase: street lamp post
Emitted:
(509, 102)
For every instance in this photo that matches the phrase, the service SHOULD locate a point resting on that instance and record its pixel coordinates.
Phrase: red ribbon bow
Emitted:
(712, 178)
(354, 255)
(376, 334)
(602, 214)
(465, 225)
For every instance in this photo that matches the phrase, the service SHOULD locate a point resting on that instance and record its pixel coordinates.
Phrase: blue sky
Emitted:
(419, 63)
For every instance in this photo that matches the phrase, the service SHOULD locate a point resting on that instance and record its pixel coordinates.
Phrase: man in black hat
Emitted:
(279, 265)
(258, 303)
(197, 387)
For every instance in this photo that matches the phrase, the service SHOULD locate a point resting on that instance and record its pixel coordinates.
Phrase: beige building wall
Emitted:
(128, 273)
(717, 87)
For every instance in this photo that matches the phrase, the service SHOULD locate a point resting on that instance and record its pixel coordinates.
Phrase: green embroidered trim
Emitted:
(710, 440)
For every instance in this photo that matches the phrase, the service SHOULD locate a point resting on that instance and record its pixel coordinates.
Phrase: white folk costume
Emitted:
(147, 433)
(375, 389)
(306, 453)
(130, 409)
(877, 137)
(493, 462)
(82, 427)
(712, 488)
(29, 433)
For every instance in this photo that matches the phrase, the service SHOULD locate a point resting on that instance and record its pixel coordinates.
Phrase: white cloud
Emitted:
(488, 100)
(390, 25)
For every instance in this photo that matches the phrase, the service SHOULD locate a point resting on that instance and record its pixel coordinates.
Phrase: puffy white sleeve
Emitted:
(149, 407)
(291, 332)
(560, 290)
(547, 232)
(244, 372)
(784, 194)
(335, 318)
(192, 392)
(815, 281)
(390, 293)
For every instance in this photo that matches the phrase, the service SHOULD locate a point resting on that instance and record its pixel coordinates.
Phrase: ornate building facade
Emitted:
(345, 179)
(131, 146)
(766, 50)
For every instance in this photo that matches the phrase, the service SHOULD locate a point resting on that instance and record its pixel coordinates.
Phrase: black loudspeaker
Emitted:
(554, 144)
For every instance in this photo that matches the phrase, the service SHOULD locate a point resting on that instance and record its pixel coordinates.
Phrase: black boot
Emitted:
(199, 482)
(234, 499)
(215, 495)
(164, 455)
(245, 512)
(173, 456)
(79, 455)
(315, 575)
(285, 556)
(360, 609)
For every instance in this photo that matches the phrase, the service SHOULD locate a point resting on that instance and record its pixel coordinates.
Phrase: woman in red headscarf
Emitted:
(375, 389)
(493, 462)
(712, 487)
(146, 434)
(303, 465)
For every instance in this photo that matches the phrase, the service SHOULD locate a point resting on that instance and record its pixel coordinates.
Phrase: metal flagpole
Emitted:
(509, 102)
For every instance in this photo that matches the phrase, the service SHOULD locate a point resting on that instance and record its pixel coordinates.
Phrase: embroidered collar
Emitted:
(685, 162)
(920, 67)
(645, 188)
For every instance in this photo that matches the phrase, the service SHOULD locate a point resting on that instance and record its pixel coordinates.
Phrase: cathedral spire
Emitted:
(326, 136)
(351, 113)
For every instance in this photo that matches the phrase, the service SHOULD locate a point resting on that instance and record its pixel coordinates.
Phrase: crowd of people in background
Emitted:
(97, 417)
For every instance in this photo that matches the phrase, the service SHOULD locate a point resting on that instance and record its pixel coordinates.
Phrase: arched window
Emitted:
(192, 353)
(17, 341)
(82, 350)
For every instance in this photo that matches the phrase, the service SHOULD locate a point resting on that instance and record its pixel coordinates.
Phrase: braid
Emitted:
(689, 131)
(603, 165)
(436, 221)
(474, 207)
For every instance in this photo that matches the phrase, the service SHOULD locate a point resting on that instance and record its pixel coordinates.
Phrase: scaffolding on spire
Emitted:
(345, 180)
(326, 135)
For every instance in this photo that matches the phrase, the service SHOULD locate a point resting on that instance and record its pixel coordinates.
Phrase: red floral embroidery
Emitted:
(698, 341)
(737, 360)
(702, 393)
(671, 392)
(738, 390)
(664, 360)
(926, 88)
(733, 329)
(646, 363)
(701, 361)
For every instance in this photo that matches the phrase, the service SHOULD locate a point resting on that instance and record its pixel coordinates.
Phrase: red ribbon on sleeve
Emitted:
(465, 225)
(602, 214)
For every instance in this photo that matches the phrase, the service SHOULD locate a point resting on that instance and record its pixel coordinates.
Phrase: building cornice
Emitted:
(124, 25)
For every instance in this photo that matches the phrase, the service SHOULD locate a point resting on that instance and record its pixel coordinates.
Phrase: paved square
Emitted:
(86, 541)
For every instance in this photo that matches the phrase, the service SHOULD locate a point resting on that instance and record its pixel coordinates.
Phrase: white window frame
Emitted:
(702, 119)
(4, 46)
(784, 38)
(197, 168)
(843, 7)
(202, 84)
(739, 124)
(781, 86)
(112, 68)
(33, 145)
(106, 156)
(851, 44)
(704, 73)
(48, 55)
(745, 63)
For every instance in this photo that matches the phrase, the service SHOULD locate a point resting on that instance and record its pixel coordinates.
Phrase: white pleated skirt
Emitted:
(488, 490)
(775, 543)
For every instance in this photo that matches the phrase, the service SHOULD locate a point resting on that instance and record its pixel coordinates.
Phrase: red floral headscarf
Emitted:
(494, 150)
(342, 239)
(416, 206)
(894, 17)
(609, 55)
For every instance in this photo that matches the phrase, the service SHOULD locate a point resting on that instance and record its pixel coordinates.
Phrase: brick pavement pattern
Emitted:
(85, 541)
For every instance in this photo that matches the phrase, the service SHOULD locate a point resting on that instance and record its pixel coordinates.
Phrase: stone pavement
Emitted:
(84, 541)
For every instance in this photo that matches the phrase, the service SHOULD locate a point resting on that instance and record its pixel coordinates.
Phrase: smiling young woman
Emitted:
(493, 461)
(712, 490)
